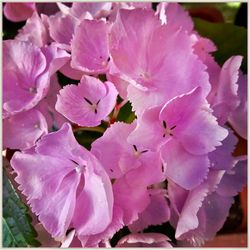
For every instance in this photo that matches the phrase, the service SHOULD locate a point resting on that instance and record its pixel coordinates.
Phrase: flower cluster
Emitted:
(173, 163)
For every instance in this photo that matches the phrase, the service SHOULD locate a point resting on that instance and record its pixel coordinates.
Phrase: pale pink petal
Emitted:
(68, 71)
(156, 213)
(55, 58)
(97, 9)
(23, 84)
(238, 118)
(17, 12)
(62, 27)
(112, 148)
(194, 125)
(173, 14)
(144, 240)
(87, 103)
(61, 143)
(115, 225)
(148, 132)
(52, 199)
(21, 131)
(47, 106)
(225, 99)
(34, 31)
(183, 168)
(152, 63)
(90, 51)
(93, 211)
(188, 219)
(131, 200)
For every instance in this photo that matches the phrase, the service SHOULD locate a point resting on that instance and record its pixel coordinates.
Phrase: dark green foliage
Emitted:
(230, 39)
(17, 228)
(126, 114)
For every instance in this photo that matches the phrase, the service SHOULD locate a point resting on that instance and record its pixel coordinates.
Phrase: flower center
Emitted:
(168, 131)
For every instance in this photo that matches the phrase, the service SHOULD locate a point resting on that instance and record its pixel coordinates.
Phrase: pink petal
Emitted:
(222, 157)
(88, 103)
(148, 62)
(174, 15)
(183, 168)
(62, 27)
(196, 128)
(225, 98)
(55, 58)
(112, 148)
(132, 201)
(93, 211)
(115, 225)
(68, 71)
(23, 84)
(148, 132)
(61, 142)
(216, 210)
(21, 131)
(238, 118)
(144, 240)
(47, 106)
(96, 9)
(188, 219)
(17, 12)
(234, 179)
(52, 199)
(156, 213)
(90, 51)
(34, 31)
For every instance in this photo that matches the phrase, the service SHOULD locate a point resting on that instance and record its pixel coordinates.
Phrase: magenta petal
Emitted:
(88, 103)
(183, 168)
(144, 240)
(53, 199)
(21, 131)
(23, 87)
(17, 12)
(156, 213)
(90, 51)
(34, 31)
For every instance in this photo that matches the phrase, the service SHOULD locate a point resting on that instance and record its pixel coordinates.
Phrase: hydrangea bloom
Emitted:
(173, 163)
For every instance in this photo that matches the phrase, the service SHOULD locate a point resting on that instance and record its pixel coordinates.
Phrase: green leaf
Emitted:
(126, 114)
(230, 39)
(17, 228)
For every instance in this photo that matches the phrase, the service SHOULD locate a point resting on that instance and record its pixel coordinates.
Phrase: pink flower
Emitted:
(65, 185)
(87, 103)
